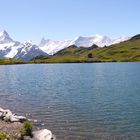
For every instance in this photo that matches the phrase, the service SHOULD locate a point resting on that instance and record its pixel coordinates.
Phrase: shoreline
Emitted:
(74, 63)
(14, 127)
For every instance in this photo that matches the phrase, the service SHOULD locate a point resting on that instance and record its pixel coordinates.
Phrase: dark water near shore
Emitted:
(76, 101)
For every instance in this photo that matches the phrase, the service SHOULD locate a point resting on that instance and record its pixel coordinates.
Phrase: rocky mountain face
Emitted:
(14, 49)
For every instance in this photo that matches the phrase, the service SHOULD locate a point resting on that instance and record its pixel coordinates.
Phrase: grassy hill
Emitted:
(7, 61)
(127, 51)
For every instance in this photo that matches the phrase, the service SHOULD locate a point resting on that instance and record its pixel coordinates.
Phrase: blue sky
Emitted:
(66, 19)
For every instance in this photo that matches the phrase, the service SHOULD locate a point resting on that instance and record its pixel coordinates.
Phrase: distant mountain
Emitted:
(5, 38)
(126, 51)
(14, 49)
(26, 51)
(10, 48)
(51, 47)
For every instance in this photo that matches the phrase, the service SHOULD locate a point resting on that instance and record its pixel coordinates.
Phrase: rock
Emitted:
(43, 134)
(1, 110)
(1, 115)
(11, 128)
(27, 138)
(7, 113)
(14, 118)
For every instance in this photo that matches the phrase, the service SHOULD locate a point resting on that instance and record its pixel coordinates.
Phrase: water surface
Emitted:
(76, 101)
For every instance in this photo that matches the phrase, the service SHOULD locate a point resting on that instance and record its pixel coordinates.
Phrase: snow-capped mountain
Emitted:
(99, 40)
(27, 50)
(51, 47)
(5, 38)
(120, 39)
(13, 49)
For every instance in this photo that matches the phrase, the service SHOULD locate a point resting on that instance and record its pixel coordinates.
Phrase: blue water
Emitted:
(98, 101)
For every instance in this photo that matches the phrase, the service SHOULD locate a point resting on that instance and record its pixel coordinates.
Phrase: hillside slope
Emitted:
(10, 61)
(127, 51)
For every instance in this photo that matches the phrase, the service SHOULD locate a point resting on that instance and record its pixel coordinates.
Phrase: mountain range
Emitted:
(27, 50)
(126, 51)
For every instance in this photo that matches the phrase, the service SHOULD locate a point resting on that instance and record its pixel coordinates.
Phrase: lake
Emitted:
(95, 101)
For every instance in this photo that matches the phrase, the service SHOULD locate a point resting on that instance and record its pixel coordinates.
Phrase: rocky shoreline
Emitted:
(12, 125)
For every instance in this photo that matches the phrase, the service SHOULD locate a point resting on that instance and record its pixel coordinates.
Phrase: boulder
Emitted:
(27, 138)
(14, 118)
(1, 112)
(43, 134)
(1, 115)
(6, 114)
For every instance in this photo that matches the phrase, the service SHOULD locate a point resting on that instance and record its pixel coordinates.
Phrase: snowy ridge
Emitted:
(51, 47)
(13, 49)
(27, 50)
(5, 38)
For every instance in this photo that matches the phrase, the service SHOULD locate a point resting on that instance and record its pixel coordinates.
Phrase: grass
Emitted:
(4, 136)
(127, 51)
(62, 59)
(11, 131)
(27, 129)
(7, 61)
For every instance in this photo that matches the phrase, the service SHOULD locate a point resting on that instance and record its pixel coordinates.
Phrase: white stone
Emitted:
(1, 114)
(1, 110)
(14, 118)
(7, 113)
(43, 134)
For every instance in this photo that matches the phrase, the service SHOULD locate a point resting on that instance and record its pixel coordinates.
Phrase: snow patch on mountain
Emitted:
(27, 50)
(98, 40)
(5, 38)
(120, 39)
(51, 47)
(13, 49)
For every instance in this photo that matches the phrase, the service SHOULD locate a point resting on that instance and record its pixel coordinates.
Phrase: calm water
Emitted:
(76, 101)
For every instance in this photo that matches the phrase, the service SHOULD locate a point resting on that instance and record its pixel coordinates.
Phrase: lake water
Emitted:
(99, 101)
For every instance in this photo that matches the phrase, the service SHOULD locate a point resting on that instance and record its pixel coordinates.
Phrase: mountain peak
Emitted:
(28, 42)
(98, 35)
(4, 37)
(4, 33)
(43, 41)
